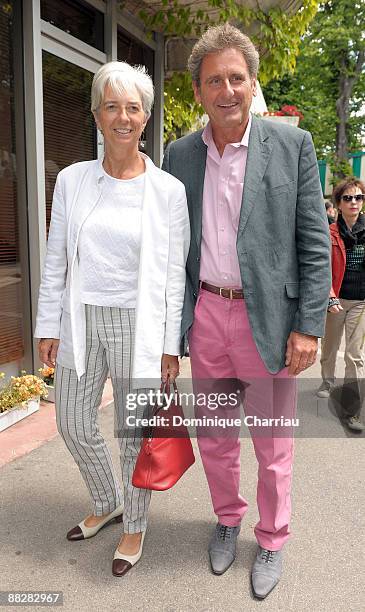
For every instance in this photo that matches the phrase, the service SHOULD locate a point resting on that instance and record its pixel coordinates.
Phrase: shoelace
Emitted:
(267, 555)
(225, 532)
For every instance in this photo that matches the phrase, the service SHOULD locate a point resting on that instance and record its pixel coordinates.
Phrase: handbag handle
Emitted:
(164, 390)
(165, 386)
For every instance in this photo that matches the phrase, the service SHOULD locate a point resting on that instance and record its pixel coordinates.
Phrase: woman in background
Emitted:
(346, 307)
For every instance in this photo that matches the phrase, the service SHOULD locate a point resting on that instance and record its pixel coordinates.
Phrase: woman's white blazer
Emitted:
(161, 278)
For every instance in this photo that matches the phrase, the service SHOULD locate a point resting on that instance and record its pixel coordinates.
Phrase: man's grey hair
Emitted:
(218, 38)
(122, 78)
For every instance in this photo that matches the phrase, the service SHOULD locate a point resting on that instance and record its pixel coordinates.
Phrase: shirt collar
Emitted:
(207, 135)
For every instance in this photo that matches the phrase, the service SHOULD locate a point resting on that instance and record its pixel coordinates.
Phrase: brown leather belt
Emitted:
(231, 294)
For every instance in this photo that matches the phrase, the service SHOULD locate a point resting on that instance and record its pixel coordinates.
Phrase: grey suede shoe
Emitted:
(222, 548)
(266, 571)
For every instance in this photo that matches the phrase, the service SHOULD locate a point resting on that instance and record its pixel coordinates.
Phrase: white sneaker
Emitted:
(353, 422)
(325, 389)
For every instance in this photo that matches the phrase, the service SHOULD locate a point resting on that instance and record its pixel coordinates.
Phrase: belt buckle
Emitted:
(230, 297)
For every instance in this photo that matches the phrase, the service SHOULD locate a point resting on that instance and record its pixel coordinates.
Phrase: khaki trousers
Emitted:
(352, 320)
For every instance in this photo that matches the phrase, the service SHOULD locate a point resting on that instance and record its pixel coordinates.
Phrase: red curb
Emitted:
(35, 430)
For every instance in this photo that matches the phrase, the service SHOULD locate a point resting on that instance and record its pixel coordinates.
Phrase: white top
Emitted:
(165, 222)
(109, 244)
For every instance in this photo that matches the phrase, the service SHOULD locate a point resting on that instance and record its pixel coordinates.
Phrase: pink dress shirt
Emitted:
(222, 197)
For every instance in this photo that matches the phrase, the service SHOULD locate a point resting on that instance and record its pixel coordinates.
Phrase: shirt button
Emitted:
(221, 229)
(224, 253)
(225, 277)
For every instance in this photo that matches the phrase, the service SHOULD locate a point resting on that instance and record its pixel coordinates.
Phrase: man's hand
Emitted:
(301, 352)
(47, 350)
(169, 367)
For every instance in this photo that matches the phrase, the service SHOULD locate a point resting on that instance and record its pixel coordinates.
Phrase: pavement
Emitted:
(43, 496)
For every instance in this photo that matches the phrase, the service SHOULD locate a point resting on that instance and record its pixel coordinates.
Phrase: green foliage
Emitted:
(328, 53)
(181, 112)
(277, 38)
(306, 90)
(278, 33)
(340, 168)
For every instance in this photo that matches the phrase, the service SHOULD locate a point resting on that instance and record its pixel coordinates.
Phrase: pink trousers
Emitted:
(222, 347)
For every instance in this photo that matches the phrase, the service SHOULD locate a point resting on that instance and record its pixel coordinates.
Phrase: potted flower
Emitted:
(19, 397)
(287, 114)
(48, 376)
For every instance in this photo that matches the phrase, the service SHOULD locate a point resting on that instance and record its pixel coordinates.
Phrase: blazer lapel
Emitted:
(155, 227)
(155, 210)
(196, 183)
(259, 152)
(82, 207)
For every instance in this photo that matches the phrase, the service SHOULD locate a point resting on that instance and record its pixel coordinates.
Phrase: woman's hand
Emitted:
(335, 308)
(334, 305)
(169, 367)
(47, 350)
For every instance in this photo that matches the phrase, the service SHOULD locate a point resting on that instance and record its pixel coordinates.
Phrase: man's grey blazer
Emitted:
(283, 243)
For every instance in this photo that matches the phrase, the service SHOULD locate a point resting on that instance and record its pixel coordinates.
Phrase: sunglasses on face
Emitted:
(359, 197)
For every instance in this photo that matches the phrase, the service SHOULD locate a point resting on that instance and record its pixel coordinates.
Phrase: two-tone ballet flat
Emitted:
(123, 563)
(82, 532)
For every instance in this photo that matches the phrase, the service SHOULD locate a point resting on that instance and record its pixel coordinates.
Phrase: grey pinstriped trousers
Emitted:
(110, 335)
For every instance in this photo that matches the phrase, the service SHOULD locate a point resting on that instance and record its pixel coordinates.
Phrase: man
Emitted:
(258, 280)
(330, 212)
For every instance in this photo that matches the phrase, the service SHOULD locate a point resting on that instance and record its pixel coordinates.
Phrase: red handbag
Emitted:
(166, 453)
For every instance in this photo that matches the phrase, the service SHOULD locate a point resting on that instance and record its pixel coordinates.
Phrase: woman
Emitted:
(111, 296)
(346, 307)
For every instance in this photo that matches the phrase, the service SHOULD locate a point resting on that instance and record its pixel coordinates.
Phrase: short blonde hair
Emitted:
(219, 38)
(122, 77)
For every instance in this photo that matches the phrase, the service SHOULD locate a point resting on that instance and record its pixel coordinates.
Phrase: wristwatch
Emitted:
(333, 301)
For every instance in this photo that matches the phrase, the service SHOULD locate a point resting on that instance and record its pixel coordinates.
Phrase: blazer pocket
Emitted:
(274, 192)
(292, 290)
